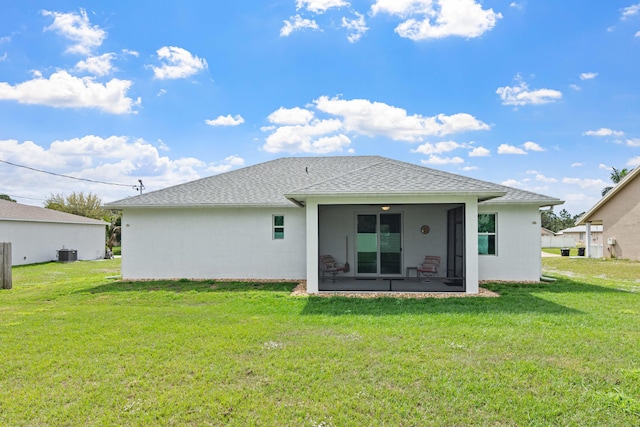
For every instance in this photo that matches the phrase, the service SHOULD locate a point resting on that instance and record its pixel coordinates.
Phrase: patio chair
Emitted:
(429, 266)
(330, 267)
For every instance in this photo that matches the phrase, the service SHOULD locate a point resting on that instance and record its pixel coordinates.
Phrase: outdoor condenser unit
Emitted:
(67, 255)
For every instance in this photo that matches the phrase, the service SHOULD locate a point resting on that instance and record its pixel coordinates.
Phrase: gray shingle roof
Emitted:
(12, 211)
(270, 183)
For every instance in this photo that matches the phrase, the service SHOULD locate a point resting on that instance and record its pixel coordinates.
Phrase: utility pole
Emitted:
(139, 187)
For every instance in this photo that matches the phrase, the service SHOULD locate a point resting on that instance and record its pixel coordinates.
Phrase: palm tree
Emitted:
(616, 177)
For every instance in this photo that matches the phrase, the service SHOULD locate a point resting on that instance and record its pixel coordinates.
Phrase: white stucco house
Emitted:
(36, 234)
(381, 216)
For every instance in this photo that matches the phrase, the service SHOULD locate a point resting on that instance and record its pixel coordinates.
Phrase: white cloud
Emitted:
(469, 168)
(5, 39)
(603, 166)
(291, 116)
(512, 183)
(532, 146)
(114, 159)
(437, 148)
(542, 178)
(510, 149)
(588, 76)
(517, 5)
(521, 95)
(577, 164)
(585, 182)
(296, 23)
(227, 164)
(4, 57)
(637, 34)
(575, 87)
(436, 160)
(479, 152)
(379, 119)
(298, 130)
(630, 11)
(319, 136)
(604, 132)
(78, 29)
(97, 65)
(131, 52)
(356, 27)
(226, 121)
(438, 18)
(320, 6)
(162, 92)
(633, 162)
(63, 90)
(179, 63)
(633, 142)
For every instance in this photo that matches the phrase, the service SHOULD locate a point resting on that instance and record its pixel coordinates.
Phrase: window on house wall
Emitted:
(278, 227)
(487, 234)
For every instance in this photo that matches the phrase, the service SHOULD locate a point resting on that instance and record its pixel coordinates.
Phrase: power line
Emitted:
(135, 187)
(25, 197)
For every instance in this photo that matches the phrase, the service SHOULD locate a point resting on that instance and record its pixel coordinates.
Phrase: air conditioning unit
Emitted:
(611, 241)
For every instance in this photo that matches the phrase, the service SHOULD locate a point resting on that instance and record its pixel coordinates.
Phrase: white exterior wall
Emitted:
(212, 243)
(518, 244)
(33, 242)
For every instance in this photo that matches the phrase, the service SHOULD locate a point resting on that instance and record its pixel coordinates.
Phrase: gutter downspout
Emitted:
(588, 238)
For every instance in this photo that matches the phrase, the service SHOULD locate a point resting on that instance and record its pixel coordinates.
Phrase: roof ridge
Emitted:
(358, 169)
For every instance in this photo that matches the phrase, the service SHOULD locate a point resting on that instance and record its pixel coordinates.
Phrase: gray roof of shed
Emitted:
(12, 211)
(272, 183)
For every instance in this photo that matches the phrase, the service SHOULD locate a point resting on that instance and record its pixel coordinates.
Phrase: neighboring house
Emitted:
(273, 220)
(618, 212)
(36, 234)
(579, 234)
(545, 232)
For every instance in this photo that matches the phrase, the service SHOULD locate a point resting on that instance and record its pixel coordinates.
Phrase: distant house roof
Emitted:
(587, 217)
(286, 181)
(12, 211)
(581, 229)
(546, 232)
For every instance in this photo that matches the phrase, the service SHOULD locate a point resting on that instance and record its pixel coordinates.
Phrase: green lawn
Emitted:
(81, 348)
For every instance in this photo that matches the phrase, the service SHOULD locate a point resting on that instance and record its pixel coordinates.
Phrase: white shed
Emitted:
(36, 234)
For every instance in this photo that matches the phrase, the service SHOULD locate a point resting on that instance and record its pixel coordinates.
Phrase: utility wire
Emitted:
(70, 177)
(25, 197)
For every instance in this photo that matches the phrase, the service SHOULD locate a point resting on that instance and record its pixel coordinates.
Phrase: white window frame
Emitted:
(277, 228)
(485, 233)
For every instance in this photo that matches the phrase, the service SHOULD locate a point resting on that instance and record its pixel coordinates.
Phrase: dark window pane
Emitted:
(278, 220)
(366, 223)
(486, 223)
(278, 233)
(487, 245)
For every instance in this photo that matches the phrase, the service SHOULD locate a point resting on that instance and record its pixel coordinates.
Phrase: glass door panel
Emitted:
(367, 244)
(390, 243)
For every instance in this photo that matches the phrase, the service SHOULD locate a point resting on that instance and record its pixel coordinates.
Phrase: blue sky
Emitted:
(540, 95)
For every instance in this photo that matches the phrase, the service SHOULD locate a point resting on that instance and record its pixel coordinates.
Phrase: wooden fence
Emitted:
(5, 266)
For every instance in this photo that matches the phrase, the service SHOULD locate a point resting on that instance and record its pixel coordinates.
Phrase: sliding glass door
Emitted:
(379, 244)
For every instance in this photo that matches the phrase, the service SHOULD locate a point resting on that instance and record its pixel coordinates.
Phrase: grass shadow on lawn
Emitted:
(180, 286)
(514, 298)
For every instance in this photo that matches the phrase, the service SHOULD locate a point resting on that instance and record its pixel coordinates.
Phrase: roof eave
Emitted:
(203, 205)
(484, 195)
(539, 203)
(615, 190)
(53, 221)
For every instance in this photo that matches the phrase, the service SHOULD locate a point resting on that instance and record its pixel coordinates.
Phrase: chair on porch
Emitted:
(329, 266)
(429, 266)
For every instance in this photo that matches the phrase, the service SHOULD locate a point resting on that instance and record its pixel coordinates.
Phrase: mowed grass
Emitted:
(81, 348)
